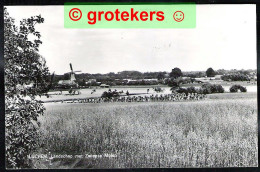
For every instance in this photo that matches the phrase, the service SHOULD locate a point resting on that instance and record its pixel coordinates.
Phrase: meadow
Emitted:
(220, 131)
(133, 89)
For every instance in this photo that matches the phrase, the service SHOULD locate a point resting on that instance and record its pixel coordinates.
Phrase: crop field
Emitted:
(216, 132)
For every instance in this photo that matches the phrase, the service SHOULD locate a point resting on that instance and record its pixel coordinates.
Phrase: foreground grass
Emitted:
(239, 95)
(219, 133)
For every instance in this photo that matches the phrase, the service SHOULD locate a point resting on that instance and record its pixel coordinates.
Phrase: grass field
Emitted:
(217, 132)
(141, 89)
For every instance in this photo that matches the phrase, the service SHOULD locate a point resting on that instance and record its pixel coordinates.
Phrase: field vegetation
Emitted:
(235, 88)
(217, 132)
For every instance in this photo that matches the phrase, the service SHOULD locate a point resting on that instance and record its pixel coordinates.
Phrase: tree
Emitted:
(81, 82)
(176, 72)
(66, 76)
(210, 72)
(175, 83)
(23, 66)
(160, 76)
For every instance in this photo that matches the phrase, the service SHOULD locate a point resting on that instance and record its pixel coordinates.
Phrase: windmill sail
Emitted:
(71, 68)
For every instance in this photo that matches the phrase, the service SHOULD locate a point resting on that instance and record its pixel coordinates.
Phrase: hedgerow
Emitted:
(204, 89)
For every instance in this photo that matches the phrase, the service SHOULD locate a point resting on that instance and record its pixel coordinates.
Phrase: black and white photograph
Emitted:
(120, 98)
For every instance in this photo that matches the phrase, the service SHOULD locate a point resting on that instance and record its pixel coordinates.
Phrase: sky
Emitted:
(224, 38)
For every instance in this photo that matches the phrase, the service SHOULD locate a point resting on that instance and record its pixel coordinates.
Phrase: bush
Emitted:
(109, 94)
(235, 88)
(218, 88)
(243, 89)
(204, 89)
(235, 77)
(186, 90)
(182, 90)
(172, 82)
(211, 88)
(192, 90)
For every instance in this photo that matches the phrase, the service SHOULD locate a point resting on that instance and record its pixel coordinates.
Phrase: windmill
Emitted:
(65, 85)
(72, 73)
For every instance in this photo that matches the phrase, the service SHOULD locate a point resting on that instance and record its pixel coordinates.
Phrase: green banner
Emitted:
(93, 16)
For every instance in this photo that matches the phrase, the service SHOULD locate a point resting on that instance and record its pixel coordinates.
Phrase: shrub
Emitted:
(187, 90)
(182, 90)
(211, 88)
(192, 90)
(175, 82)
(235, 77)
(218, 89)
(206, 89)
(235, 88)
(109, 94)
(243, 89)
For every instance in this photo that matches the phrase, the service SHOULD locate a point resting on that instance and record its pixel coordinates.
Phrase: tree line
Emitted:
(164, 77)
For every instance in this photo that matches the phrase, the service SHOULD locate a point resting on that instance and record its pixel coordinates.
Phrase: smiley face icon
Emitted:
(178, 16)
